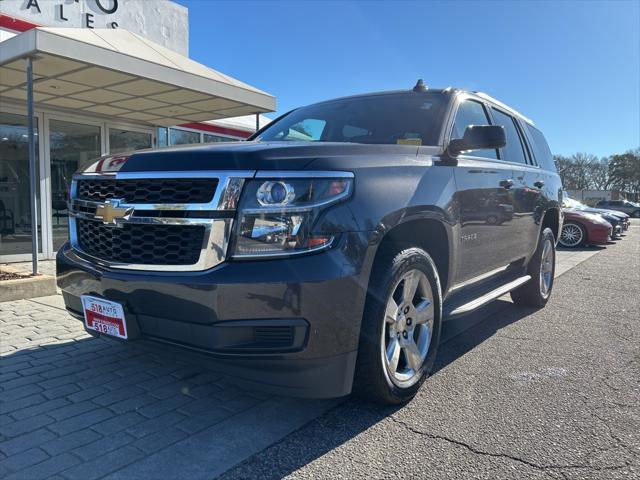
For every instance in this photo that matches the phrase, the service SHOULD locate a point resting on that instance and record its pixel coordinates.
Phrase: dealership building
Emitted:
(108, 76)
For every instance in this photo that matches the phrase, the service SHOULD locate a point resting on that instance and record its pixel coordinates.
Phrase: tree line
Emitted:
(584, 171)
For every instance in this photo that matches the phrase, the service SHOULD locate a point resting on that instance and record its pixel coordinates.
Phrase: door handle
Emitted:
(506, 183)
(538, 184)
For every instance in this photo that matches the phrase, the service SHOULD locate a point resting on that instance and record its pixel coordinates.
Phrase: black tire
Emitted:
(636, 214)
(531, 294)
(372, 380)
(583, 237)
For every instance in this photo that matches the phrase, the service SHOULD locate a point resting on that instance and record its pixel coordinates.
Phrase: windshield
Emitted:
(399, 119)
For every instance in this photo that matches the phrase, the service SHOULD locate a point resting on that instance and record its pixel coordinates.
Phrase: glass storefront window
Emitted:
(72, 146)
(15, 207)
(182, 137)
(162, 136)
(209, 138)
(121, 140)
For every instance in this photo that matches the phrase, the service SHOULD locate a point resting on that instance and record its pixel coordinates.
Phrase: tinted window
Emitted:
(541, 150)
(407, 118)
(210, 138)
(182, 137)
(471, 113)
(513, 151)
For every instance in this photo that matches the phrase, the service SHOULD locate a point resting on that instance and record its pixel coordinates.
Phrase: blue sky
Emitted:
(573, 67)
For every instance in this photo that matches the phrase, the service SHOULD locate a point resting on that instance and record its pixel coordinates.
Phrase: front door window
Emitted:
(15, 208)
(470, 113)
(72, 146)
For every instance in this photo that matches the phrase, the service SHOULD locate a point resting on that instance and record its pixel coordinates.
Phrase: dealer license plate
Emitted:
(104, 316)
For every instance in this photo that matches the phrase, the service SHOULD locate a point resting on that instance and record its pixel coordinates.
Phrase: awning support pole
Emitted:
(257, 122)
(32, 168)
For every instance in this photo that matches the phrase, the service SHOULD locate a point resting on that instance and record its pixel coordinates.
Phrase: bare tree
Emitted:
(583, 171)
(624, 171)
(582, 168)
(600, 174)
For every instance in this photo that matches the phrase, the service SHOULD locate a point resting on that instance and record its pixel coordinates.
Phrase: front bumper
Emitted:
(600, 235)
(616, 231)
(288, 325)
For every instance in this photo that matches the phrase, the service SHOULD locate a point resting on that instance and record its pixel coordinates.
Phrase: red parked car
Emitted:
(583, 228)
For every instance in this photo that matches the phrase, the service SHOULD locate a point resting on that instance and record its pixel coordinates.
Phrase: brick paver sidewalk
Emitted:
(84, 407)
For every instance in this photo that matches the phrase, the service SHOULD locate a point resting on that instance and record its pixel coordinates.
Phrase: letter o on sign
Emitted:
(113, 8)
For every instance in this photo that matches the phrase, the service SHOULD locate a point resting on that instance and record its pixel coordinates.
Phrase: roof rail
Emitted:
(506, 107)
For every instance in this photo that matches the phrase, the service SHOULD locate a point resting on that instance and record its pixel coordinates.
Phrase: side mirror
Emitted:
(478, 137)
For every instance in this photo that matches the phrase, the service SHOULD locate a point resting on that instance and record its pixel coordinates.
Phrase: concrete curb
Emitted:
(27, 287)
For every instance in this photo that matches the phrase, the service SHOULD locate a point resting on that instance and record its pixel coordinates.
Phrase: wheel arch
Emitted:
(426, 230)
(552, 219)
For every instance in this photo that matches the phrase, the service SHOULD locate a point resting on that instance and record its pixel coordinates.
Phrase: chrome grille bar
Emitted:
(217, 230)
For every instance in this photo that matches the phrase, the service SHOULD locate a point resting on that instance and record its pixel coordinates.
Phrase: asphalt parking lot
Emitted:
(517, 393)
(553, 393)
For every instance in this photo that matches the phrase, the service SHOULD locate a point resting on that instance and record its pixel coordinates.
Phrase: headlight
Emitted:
(276, 215)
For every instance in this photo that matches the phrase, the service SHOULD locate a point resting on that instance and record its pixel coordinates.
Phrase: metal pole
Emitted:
(257, 122)
(33, 177)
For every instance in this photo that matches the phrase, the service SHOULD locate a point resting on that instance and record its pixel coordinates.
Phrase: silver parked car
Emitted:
(630, 208)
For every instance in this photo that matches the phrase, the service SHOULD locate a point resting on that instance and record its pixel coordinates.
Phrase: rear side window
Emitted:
(513, 150)
(471, 113)
(540, 147)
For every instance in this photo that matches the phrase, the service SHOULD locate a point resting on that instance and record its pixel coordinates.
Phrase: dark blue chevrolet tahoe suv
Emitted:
(322, 256)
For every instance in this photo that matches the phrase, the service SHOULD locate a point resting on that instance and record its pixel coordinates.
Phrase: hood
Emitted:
(588, 217)
(251, 156)
(603, 211)
(612, 219)
(616, 213)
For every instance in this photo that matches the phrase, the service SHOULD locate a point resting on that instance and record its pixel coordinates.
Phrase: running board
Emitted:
(487, 297)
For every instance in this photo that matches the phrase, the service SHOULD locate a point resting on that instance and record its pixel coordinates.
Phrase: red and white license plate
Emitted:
(104, 316)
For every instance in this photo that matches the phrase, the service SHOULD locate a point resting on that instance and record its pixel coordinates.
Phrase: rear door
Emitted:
(528, 185)
(483, 200)
(541, 156)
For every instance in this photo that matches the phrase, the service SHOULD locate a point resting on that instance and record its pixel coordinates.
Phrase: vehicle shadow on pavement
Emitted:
(328, 432)
(464, 334)
(587, 248)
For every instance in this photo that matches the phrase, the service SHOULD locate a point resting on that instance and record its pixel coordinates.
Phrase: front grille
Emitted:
(141, 244)
(149, 190)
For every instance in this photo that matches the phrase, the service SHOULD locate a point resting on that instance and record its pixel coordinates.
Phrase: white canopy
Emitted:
(116, 73)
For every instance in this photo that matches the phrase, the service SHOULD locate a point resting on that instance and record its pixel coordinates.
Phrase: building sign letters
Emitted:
(63, 10)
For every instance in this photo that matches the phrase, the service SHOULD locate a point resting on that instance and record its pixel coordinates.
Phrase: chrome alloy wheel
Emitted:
(546, 268)
(571, 235)
(408, 328)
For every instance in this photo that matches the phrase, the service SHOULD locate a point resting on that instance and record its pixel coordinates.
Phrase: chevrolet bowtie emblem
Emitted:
(110, 211)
